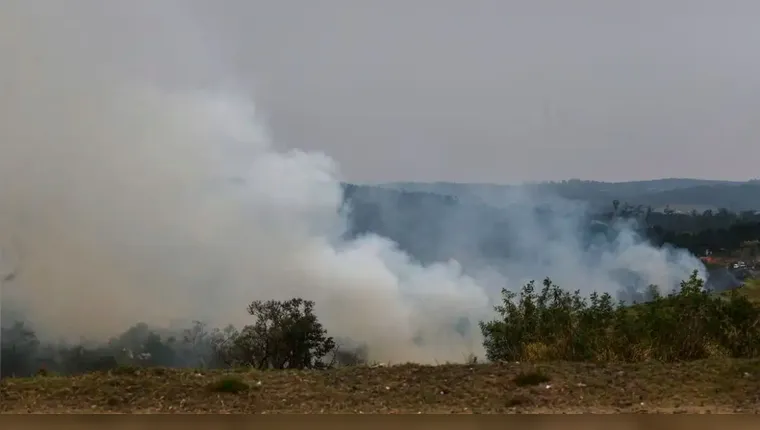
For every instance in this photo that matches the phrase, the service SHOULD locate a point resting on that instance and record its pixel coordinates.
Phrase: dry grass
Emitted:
(751, 289)
(713, 385)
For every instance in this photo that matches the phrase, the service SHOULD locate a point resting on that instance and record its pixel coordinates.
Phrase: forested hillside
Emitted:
(418, 221)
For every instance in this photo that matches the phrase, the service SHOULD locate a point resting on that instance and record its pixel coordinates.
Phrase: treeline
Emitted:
(546, 323)
(283, 334)
(716, 232)
(739, 239)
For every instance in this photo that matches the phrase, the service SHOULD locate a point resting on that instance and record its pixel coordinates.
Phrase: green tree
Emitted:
(285, 335)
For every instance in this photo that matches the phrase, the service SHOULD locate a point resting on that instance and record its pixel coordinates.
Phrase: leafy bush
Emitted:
(688, 324)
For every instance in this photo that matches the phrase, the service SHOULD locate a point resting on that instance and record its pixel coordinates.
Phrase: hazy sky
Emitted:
(490, 90)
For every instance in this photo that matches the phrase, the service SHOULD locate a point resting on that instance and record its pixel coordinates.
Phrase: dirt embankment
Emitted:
(702, 386)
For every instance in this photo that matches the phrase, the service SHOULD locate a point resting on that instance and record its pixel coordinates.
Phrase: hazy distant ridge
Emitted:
(681, 193)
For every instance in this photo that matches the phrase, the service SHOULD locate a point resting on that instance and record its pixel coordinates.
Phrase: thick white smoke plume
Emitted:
(130, 191)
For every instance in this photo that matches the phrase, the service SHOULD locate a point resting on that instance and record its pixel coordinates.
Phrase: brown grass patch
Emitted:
(719, 385)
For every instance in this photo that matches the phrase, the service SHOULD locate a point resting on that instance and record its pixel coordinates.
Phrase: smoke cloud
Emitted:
(135, 185)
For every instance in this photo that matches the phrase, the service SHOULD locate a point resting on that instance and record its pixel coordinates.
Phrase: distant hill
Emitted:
(678, 193)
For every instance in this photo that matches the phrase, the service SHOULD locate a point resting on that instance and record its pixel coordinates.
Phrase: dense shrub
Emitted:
(687, 324)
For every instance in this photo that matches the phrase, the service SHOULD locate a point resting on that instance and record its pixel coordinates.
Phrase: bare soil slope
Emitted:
(702, 386)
